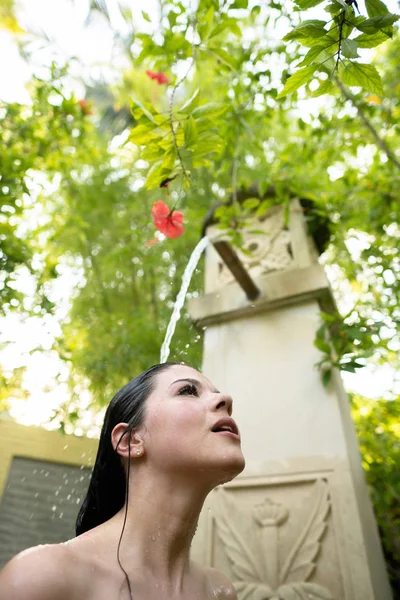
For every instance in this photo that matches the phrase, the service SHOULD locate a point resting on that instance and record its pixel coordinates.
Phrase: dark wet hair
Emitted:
(108, 487)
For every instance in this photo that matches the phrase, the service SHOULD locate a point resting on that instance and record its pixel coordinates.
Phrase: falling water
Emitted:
(180, 299)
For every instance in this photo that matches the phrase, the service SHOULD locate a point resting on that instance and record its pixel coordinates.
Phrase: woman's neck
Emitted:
(161, 522)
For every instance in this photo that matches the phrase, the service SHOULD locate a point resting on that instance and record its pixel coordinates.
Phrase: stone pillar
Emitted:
(298, 523)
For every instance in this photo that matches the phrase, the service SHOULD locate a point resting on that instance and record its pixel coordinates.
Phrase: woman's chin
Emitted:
(230, 467)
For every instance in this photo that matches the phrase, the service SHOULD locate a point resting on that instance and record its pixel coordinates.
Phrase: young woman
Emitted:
(167, 440)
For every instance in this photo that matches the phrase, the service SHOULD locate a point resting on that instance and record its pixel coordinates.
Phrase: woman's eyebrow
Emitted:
(193, 382)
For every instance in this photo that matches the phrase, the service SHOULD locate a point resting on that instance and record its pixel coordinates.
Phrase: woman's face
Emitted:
(181, 414)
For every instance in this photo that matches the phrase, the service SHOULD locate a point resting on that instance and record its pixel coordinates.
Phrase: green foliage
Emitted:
(354, 73)
(11, 386)
(378, 429)
(31, 139)
(338, 45)
(8, 19)
(346, 342)
(178, 143)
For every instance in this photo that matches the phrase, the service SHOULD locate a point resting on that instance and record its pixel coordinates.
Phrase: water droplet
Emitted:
(61, 515)
(54, 508)
(56, 492)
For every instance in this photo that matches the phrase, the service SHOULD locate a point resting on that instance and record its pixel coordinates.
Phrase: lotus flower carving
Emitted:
(270, 513)
(254, 555)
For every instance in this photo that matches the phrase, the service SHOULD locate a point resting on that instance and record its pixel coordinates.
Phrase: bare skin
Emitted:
(175, 461)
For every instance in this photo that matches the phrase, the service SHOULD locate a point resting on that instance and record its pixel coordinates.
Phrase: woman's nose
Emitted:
(223, 401)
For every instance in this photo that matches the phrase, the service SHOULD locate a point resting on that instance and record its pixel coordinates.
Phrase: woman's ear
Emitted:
(126, 442)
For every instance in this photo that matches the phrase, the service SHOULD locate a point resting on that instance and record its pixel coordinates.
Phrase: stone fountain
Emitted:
(298, 523)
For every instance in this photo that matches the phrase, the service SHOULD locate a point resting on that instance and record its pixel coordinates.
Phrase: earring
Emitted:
(138, 452)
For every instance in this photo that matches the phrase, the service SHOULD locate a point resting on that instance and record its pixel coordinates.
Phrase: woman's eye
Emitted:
(188, 390)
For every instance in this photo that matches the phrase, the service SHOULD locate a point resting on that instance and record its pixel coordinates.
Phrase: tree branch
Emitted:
(380, 142)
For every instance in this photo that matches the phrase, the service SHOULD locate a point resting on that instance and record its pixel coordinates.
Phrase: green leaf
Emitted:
(377, 23)
(155, 176)
(224, 25)
(312, 28)
(375, 8)
(211, 109)
(141, 135)
(326, 377)
(311, 42)
(349, 48)
(371, 41)
(323, 346)
(146, 16)
(362, 75)
(263, 208)
(312, 55)
(298, 79)
(205, 26)
(189, 102)
(190, 133)
(240, 4)
(251, 203)
(223, 56)
(326, 87)
(144, 110)
(205, 147)
(334, 8)
(169, 159)
(327, 317)
(304, 4)
(152, 152)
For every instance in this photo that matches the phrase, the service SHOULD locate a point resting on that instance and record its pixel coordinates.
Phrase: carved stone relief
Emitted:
(251, 541)
(269, 251)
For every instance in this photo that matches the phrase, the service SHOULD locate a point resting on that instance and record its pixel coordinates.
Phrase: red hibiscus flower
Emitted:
(169, 222)
(86, 110)
(161, 78)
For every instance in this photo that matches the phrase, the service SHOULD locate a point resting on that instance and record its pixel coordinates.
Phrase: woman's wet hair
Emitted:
(109, 483)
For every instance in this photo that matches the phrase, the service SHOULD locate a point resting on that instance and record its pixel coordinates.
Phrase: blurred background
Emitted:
(88, 283)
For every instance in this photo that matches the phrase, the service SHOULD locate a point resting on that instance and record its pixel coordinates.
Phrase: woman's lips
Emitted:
(235, 436)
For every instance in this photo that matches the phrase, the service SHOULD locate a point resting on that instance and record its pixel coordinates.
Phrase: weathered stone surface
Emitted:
(298, 523)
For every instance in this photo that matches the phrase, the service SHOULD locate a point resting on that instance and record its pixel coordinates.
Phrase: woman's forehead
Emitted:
(179, 372)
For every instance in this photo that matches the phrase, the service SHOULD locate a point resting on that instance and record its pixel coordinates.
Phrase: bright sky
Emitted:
(64, 23)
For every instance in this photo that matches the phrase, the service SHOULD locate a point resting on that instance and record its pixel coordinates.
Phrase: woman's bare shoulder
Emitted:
(222, 587)
(39, 573)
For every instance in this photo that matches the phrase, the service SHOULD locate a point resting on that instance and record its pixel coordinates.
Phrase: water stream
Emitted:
(180, 299)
